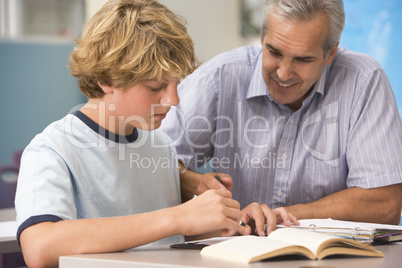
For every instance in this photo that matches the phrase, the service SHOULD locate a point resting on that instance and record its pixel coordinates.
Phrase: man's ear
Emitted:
(107, 89)
(332, 54)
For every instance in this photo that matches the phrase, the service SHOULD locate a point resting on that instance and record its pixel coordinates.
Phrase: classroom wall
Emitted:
(36, 89)
(214, 25)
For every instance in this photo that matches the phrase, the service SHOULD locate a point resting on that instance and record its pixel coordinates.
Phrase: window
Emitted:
(41, 18)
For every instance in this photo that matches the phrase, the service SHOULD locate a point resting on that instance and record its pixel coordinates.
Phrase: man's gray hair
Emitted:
(305, 10)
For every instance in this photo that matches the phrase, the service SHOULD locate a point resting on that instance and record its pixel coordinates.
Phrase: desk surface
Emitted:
(163, 256)
(7, 214)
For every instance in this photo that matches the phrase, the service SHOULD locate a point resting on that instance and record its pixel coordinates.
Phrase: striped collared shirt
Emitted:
(346, 134)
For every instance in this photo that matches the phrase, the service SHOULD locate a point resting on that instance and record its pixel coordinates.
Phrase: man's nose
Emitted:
(285, 70)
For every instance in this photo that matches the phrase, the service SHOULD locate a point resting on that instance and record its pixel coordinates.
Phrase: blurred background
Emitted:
(37, 36)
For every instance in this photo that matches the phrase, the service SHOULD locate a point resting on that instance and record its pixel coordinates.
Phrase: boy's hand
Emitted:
(208, 212)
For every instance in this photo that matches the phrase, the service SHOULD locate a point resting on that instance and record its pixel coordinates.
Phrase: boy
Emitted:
(99, 180)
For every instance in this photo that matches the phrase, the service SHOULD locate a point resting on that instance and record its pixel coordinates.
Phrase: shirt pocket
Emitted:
(322, 178)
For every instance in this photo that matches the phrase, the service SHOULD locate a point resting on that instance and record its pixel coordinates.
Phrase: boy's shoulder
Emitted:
(67, 130)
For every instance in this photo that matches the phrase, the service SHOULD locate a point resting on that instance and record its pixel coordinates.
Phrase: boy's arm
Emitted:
(42, 244)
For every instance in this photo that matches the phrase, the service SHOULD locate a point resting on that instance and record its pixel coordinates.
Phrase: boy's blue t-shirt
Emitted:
(76, 169)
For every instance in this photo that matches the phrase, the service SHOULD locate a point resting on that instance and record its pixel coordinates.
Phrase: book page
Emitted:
(310, 240)
(286, 241)
(246, 249)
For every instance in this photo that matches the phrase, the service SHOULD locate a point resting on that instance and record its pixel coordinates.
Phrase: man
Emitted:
(298, 123)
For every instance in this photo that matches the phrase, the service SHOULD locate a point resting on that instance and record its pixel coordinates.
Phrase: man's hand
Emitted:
(257, 216)
(193, 183)
(217, 181)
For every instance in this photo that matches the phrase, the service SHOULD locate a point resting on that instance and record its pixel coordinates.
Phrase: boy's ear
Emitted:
(107, 89)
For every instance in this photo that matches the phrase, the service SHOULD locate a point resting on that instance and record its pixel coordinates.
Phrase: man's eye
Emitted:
(305, 60)
(274, 53)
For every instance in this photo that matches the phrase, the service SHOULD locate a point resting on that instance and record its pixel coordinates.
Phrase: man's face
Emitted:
(293, 58)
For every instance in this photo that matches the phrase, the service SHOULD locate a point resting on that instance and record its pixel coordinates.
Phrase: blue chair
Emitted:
(8, 186)
(8, 181)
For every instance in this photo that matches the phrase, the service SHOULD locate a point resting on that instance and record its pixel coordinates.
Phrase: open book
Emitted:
(286, 241)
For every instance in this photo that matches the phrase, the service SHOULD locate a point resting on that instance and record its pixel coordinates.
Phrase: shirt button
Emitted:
(279, 194)
(292, 121)
(285, 156)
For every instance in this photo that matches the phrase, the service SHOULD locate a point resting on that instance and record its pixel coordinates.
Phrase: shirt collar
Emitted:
(104, 132)
(257, 85)
(319, 86)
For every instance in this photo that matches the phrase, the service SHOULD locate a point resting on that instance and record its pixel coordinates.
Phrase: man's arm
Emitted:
(43, 243)
(190, 182)
(378, 205)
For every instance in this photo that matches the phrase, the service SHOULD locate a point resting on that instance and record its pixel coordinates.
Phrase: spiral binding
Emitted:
(358, 234)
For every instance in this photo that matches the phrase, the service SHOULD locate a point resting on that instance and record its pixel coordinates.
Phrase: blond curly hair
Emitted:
(131, 41)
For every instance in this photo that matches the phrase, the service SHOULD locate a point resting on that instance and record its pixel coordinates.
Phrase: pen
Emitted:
(219, 179)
